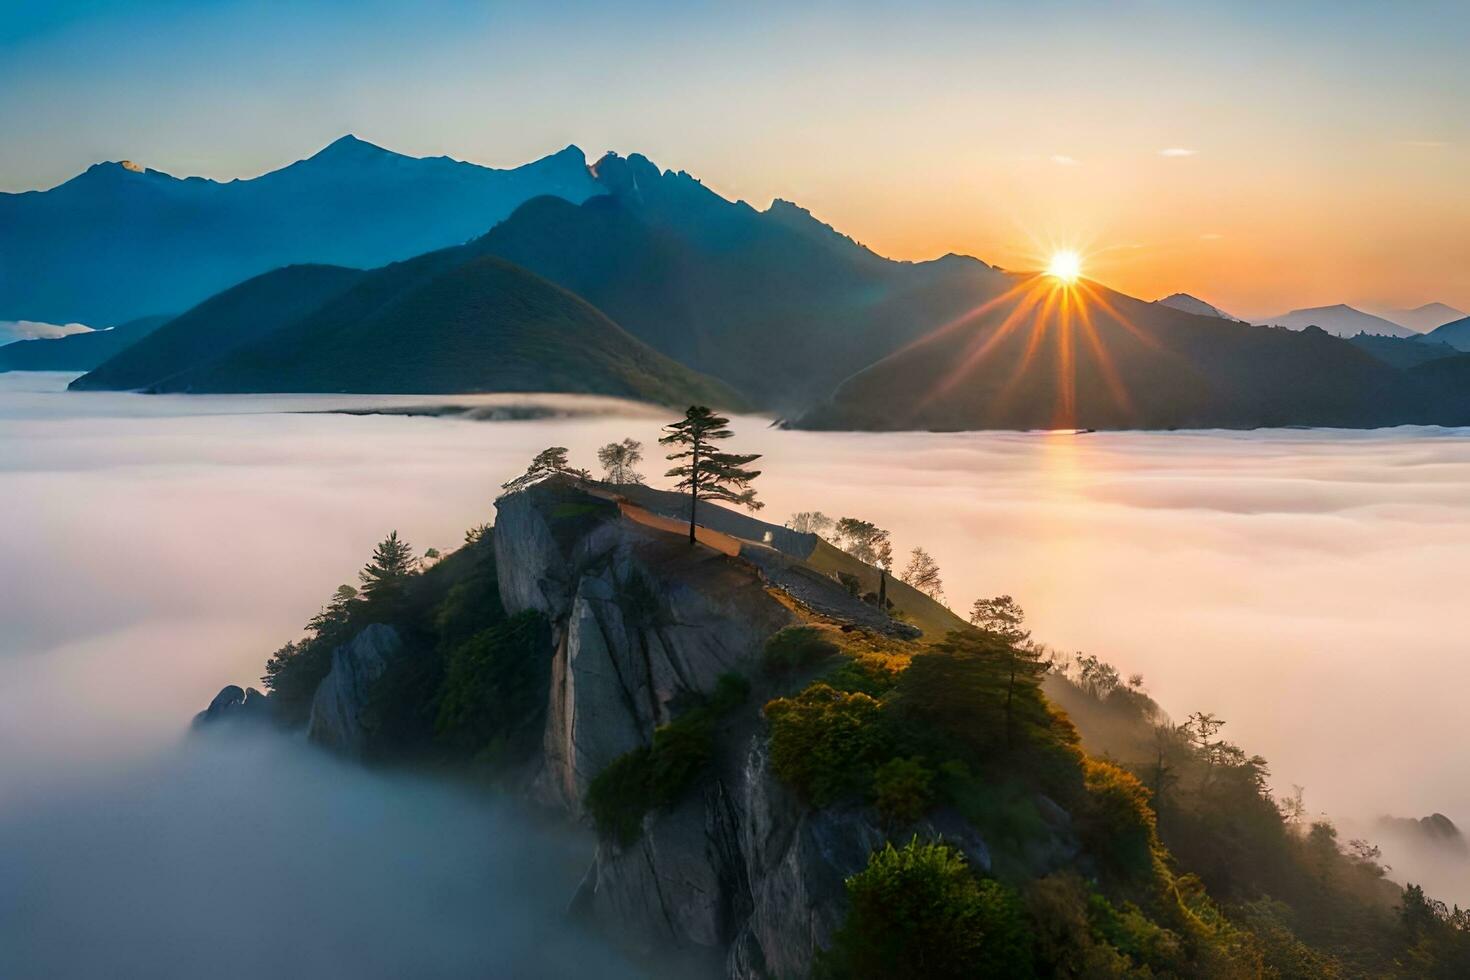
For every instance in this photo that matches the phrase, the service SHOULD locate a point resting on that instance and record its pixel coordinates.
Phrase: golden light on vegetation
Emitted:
(1065, 265)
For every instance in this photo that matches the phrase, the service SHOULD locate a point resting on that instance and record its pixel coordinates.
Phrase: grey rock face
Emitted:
(339, 712)
(739, 874)
(641, 622)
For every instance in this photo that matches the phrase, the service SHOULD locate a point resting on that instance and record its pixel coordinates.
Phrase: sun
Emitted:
(1065, 265)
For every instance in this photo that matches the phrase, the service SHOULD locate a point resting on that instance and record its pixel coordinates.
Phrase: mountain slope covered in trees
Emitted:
(481, 326)
(1056, 356)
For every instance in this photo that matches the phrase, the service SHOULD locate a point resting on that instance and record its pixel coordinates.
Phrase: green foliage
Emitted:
(494, 687)
(796, 648)
(826, 744)
(293, 673)
(917, 911)
(901, 790)
(704, 471)
(386, 575)
(658, 775)
(980, 698)
(1118, 822)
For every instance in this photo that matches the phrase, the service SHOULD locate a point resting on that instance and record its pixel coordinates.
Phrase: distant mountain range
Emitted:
(1424, 318)
(775, 303)
(1456, 334)
(1035, 362)
(121, 241)
(642, 282)
(1191, 304)
(1340, 321)
(77, 351)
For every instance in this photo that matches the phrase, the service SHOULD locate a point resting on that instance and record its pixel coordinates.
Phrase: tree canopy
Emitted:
(619, 461)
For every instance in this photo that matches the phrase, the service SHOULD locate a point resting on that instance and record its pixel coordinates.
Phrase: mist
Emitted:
(1305, 586)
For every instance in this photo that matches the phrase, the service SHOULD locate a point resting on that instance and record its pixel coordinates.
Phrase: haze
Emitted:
(1262, 156)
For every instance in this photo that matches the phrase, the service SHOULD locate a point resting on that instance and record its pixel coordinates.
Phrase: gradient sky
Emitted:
(1322, 148)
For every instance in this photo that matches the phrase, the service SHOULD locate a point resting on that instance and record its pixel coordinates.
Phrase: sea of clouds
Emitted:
(1305, 586)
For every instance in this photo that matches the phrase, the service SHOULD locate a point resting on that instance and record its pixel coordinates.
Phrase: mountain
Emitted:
(1455, 333)
(1191, 304)
(218, 326)
(483, 325)
(1095, 358)
(1424, 318)
(78, 351)
(1403, 352)
(1340, 321)
(789, 778)
(448, 321)
(774, 302)
(92, 249)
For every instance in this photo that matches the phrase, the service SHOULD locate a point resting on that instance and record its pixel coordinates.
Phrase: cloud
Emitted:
(1178, 151)
(1211, 236)
(1424, 144)
(1063, 160)
(13, 330)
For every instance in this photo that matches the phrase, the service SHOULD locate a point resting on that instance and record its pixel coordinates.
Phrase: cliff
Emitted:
(642, 625)
(748, 738)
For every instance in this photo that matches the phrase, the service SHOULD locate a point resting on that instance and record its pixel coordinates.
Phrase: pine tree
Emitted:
(922, 572)
(709, 474)
(618, 460)
(384, 576)
(548, 462)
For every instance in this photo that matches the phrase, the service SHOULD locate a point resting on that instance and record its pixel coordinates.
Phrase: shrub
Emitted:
(919, 912)
(872, 674)
(795, 648)
(657, 775)
(826, 743)
(901, 790)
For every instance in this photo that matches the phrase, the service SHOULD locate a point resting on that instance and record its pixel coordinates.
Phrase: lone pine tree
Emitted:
(704, 471)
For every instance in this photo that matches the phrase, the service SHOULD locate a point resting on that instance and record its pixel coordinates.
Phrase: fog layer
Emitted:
(1305, 586)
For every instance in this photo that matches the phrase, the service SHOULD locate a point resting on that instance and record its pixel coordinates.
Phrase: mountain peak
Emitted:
(1186, 303)
(349, 147)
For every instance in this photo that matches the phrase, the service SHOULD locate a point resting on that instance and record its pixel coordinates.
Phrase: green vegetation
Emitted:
(658, 774)
(919, 912)
(493, 681)
(797, 648)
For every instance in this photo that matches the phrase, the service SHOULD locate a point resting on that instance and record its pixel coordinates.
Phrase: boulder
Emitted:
(234, 704)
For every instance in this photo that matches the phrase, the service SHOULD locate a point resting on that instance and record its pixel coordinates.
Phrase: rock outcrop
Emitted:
(234, 704)
(340, 712)
(739, 871)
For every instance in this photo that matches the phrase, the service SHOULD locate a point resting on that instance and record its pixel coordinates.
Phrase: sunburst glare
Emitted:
(1065, 265)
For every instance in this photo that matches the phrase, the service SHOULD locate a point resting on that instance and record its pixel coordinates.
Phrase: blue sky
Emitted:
(920, 128)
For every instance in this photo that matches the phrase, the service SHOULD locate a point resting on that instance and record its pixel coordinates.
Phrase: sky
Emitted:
(1263, 156)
